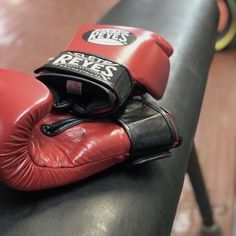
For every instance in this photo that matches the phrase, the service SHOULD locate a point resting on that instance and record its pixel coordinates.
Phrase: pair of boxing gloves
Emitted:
(84, 112)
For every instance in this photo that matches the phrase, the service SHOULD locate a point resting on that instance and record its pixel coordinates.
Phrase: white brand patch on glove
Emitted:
(113, 37)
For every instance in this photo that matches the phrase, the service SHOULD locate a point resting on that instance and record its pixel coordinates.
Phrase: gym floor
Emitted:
(33, 31)
(216, 145)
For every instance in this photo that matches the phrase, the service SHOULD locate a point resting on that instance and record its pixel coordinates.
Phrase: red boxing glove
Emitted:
(30, 160)
(41, 149)
(104, 65)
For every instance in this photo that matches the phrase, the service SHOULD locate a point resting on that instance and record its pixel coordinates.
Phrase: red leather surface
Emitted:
(29, 160)
(147, 58)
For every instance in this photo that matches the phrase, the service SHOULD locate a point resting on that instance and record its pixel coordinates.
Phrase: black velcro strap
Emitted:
(150, 129)
(89, 68)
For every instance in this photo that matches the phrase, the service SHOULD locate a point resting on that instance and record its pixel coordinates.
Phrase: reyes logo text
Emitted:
(87, 64)
(114, 37)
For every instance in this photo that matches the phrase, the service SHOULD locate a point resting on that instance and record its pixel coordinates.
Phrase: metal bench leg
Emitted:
(196, 177)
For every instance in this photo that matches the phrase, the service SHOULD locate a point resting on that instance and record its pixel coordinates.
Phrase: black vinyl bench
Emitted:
(140, 200)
